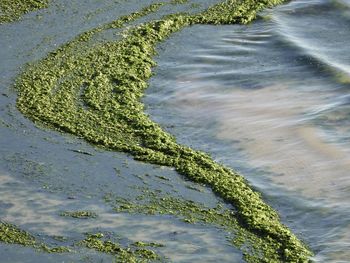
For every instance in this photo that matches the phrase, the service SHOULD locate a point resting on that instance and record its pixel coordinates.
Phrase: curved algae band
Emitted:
(95, 94)
(11, 10)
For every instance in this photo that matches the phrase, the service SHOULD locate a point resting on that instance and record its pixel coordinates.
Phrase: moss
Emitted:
(79, 214)
(11, 234)
(11, 10)
(95, 94)
(123, 255)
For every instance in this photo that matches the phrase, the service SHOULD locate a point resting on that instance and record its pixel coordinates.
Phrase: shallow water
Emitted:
(270, 99)
(43, 172)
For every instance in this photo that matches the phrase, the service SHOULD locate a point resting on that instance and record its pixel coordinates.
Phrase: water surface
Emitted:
(272, 100)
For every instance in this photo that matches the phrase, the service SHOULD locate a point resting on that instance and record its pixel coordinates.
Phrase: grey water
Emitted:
(272, 100)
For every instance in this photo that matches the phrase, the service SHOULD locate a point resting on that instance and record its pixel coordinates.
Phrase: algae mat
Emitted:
(13, 9)
(92, 88)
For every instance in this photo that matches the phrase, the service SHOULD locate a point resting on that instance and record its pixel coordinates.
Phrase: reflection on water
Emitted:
(277, 92)
(269, 125)
(38, 212)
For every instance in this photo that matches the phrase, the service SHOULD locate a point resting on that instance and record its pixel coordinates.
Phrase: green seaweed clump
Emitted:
(79, 214)
(95, 93)
(11, 10)
(123, 255)
(11, 234)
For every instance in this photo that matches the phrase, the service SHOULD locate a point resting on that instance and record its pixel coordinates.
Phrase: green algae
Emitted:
(178, 2)
(95, 94)
(123, 255)
(79, 214)
(11, 234)
(255, 248)
(11, 10)
(144, 244)
(137, 252)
